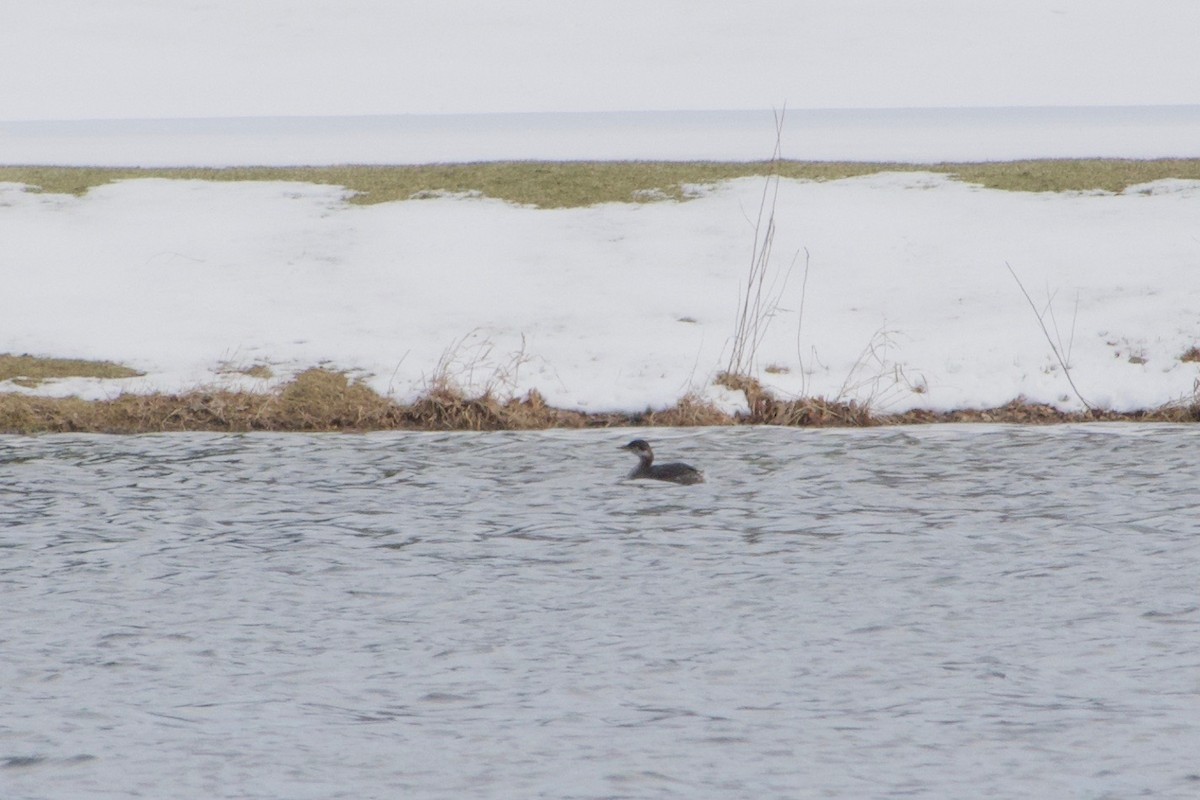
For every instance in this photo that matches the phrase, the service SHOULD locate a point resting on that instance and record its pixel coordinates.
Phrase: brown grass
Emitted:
(447, 409)
(692, 411)
(582, 183)
(1020, 412)
(30, 371)
(325, 400)
(316, 400)
(766, 409)
(260, 371)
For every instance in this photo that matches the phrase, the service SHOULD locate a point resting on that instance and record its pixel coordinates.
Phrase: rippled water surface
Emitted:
(934, 612)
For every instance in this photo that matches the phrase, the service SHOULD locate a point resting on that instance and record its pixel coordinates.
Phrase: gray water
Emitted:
(929, 612)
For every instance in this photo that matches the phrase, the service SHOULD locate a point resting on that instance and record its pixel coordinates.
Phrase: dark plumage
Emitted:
(646, 468)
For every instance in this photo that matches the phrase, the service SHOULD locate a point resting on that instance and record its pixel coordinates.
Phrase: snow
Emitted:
(618, 305)
(908, 300)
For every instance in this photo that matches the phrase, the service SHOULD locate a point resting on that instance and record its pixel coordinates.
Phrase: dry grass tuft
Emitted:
(260, 371)
(194, 411)
(1192, 355)
(821, 413)
(692, 411)
(1177, 412)
(24, 414)
(757, 397)
(30, 371)
(321, 399)
(766, 409)
(444, 407)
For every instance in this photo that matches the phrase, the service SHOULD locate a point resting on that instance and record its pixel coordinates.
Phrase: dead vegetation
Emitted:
(582, 183)
(259, 371)
(325, 400)
(31, 371)
(317, 400)
(1022, 412)
(766, 409)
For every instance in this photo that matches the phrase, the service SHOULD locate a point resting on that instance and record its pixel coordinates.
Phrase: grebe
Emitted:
(646, 468)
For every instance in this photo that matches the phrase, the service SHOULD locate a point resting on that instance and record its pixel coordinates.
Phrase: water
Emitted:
(926, 612)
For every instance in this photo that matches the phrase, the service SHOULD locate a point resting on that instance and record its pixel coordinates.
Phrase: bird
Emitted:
(646, 468)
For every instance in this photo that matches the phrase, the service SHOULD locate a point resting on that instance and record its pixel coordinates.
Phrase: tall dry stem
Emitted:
(759, 299)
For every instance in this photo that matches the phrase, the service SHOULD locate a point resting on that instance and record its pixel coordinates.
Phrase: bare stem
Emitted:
(757, 303)
(800, 323)
(1049, 339)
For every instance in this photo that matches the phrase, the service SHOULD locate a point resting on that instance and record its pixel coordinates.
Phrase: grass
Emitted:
(315, 400)
(575, 184)
(31, 371)
(260, 371)
(325, 400)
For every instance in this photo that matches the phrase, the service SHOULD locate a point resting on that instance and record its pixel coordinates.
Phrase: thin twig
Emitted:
(1049, 340)
(800, 324)
(1074, 319)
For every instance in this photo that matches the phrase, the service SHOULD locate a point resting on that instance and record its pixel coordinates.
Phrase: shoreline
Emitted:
(320, 400)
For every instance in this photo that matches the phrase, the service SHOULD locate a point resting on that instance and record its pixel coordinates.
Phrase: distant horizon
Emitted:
(914, 135)
(782, 108)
